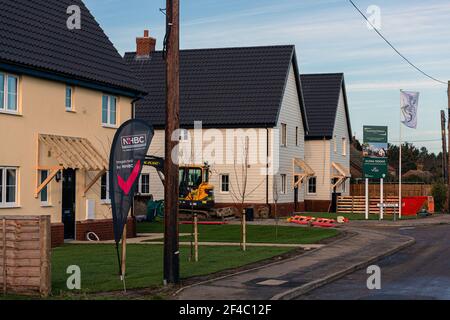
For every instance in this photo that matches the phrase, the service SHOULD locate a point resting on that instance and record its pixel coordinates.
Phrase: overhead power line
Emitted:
(395, 49)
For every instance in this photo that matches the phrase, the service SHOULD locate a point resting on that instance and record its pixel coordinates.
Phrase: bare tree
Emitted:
(276, 196)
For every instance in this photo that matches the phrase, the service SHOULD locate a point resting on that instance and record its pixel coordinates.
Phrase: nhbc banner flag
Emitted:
(128, 151)
(409, 105)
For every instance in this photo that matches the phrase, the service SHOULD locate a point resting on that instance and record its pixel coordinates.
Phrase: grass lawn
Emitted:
(255, 233)
(99, 270)
(356, 216)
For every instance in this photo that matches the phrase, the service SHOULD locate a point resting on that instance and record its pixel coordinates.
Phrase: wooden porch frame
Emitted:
(90, 184)
(301, 176)
(54, 172)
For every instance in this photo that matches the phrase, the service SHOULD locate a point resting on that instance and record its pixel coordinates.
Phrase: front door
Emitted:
(296, 195)
(68, 203)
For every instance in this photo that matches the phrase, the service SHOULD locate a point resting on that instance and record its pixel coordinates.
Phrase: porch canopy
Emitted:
(340, 174)
(71, 153)
(306, 171)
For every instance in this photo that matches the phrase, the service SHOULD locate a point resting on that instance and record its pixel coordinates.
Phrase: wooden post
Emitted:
(4, 256)
(171, 236)
(444, 146)
(244, 232)
(448, 153)
(196, 237)
(124, 253)
(45, 248)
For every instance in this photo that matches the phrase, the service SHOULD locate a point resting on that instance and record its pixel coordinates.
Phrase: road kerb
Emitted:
(346, 237)
(298, 291)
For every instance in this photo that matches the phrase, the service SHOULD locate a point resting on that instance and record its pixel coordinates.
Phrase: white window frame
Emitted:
(283, 184)
(108, 111)
(106, 200)
(222, 183)
(141, 184)
(344, 146)
(284, 135)
(315, 185)
(71, 108)
(3, 203)
(47, 187)
(6, 94)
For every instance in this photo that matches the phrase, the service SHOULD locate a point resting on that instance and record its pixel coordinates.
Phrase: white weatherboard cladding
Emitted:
(340, 132)
(320, 154)
(290, 115)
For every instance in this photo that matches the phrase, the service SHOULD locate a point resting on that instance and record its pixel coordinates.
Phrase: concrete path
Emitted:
(290, 278)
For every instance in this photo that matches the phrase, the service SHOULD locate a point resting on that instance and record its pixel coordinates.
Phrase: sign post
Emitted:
(375, 164)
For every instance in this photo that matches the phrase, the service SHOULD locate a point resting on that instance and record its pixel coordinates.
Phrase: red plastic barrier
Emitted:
(412, 205)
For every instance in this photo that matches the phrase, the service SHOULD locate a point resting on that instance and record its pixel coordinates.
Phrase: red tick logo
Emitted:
(127, 185)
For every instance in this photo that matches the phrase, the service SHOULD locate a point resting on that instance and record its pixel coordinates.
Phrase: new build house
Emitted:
(248, 101)
(327, 145)
(243, 92)
(63, 93)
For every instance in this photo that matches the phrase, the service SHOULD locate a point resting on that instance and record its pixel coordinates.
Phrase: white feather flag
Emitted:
(409, 105)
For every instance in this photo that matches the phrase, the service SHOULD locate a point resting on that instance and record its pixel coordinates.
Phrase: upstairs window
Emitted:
(344, 146)
(8, 93)
(296, 136)
(109, 111)
(69, 99)
(284, 135)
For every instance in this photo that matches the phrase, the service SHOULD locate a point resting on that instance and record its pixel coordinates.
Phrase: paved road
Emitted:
(421, 271)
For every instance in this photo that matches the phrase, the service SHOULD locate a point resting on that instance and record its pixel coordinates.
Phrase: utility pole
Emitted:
(444, 146)
(448, 153)
(171, 236)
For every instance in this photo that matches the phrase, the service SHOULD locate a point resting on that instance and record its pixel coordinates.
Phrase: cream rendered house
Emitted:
(63, 93)
(327, 146)
(244, 93)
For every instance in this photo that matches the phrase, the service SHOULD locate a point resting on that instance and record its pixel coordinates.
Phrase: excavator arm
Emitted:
(157, 163)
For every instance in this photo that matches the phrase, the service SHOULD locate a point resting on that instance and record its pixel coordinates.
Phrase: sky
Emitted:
(330, 36)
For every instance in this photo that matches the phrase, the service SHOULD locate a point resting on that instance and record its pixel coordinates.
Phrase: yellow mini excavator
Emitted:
(195, 191)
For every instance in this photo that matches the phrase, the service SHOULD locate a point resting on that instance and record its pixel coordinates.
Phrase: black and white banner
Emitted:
(128, 151)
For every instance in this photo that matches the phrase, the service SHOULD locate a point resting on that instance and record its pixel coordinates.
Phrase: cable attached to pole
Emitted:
(395, 49)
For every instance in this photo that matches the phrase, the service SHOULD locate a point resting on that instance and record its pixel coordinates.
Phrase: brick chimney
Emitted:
(145, 45)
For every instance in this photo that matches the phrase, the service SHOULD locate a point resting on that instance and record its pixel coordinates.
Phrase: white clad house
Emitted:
(327, 145)
(250, 93)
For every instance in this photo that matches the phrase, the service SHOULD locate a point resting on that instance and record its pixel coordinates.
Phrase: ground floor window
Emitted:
(144, 184)
(225, 183)
(312, 185)
(283, 184)
(8, 187)
(44, 192)
(104, 190)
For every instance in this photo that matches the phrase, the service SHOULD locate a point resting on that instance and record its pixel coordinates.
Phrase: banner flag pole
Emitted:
(400, 163)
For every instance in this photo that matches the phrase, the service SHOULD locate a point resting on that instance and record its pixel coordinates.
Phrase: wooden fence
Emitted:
(25, 244)
(391, 189)
(357, 204)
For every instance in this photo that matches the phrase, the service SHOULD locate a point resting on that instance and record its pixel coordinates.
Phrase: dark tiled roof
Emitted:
(321, 95)
(228, 87)
(34, 34)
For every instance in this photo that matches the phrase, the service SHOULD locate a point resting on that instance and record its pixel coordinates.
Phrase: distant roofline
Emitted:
(222, 48)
